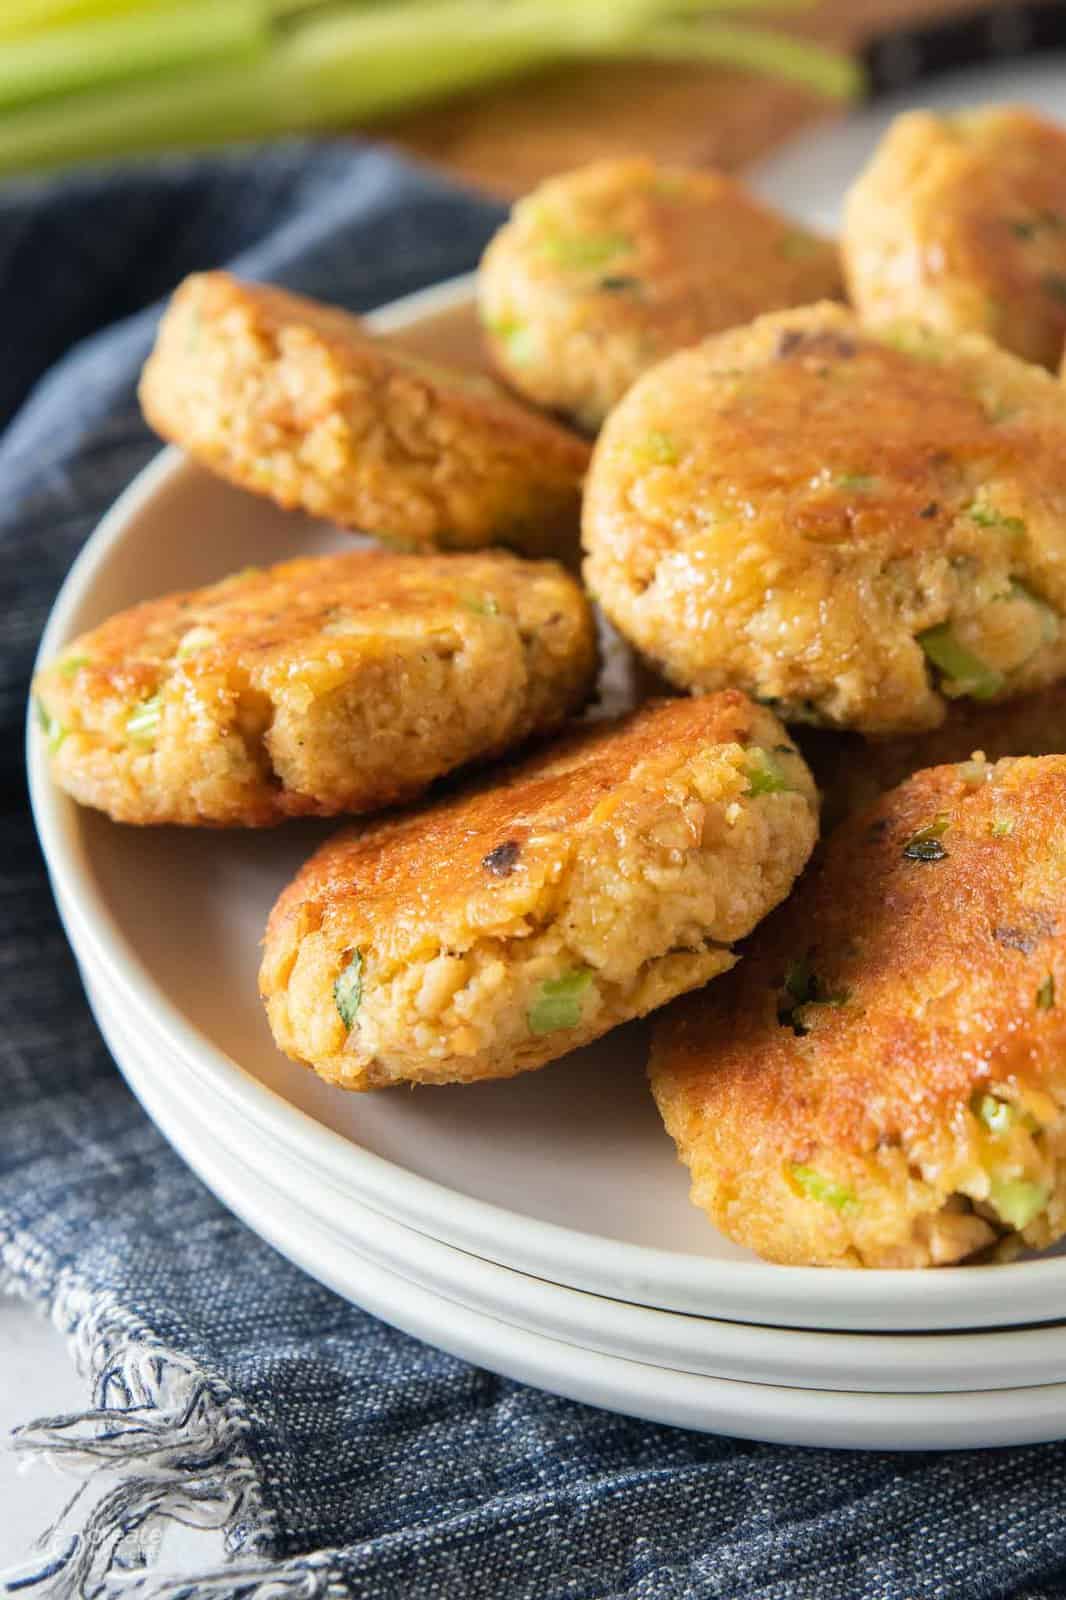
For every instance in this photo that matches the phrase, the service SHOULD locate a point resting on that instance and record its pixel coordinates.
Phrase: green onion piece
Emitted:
(803, 990)
(1016, 1201)
(1045, 995)
(989, 517)
(142, 723)
(482, 605)
(824, 1190)
(1002, 827)
(348, 989)
(558, 1003)
(968, 672)
(518, 338)
(585, 249)
(72, 664)
(765, 775)
(998, 1116)
(50, 726)
(195, 640)
(854, 480)
(658, 448)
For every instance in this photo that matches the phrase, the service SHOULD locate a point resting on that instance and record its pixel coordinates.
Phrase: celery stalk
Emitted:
(103, 51)
(753, 49)
(31, 16)
(346, 64)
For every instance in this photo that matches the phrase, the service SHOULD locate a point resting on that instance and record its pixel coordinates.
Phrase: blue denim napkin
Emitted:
(340, 1457)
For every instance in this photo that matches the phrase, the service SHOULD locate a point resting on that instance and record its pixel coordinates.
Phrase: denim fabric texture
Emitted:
(344, 1458)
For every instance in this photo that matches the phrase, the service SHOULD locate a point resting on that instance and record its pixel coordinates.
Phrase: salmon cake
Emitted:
(883, 1081)
(960, 222)
(602, 272)
(859, 525)
(324, 685)
(852, 772)
(299, 402)
(512, 922)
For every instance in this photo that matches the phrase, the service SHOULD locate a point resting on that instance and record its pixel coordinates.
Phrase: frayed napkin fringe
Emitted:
(175, 1437)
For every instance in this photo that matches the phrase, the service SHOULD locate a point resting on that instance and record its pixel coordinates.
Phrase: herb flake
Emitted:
(925, 845)
(348, 990)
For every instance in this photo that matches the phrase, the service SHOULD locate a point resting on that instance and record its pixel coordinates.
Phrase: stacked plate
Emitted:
(539, 1226)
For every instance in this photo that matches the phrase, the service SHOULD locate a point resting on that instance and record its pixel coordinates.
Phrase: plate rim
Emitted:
(743, 1291)
(485, 1286)
(824, 1418)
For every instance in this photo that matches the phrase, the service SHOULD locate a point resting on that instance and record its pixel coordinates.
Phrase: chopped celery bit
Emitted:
(854, 480)
(998, 1116)
(925, 845)
(968, 672)
(658, 448)
(348, 989)
(586, 249)
(50, 726)
(1002, 827)
(824, 1190)
(989, 517)
(196, 639)
(72, 664)
(558, 1002)
(765, 775)
(1045, 994)
(518, 338)
(1016, 1201)
(142, 723)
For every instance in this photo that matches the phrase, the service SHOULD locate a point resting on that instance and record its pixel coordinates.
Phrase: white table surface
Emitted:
(38, 1379)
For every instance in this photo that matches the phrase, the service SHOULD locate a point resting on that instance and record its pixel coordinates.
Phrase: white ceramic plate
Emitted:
(923, 1363)
(747, 1410)
(519, 1172)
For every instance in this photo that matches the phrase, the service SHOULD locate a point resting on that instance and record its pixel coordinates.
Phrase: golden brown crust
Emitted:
(789, 506)
(634, 852)
(318, 686)
(604, 271)
(295, 400)
(921, 963)
(960, 221)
